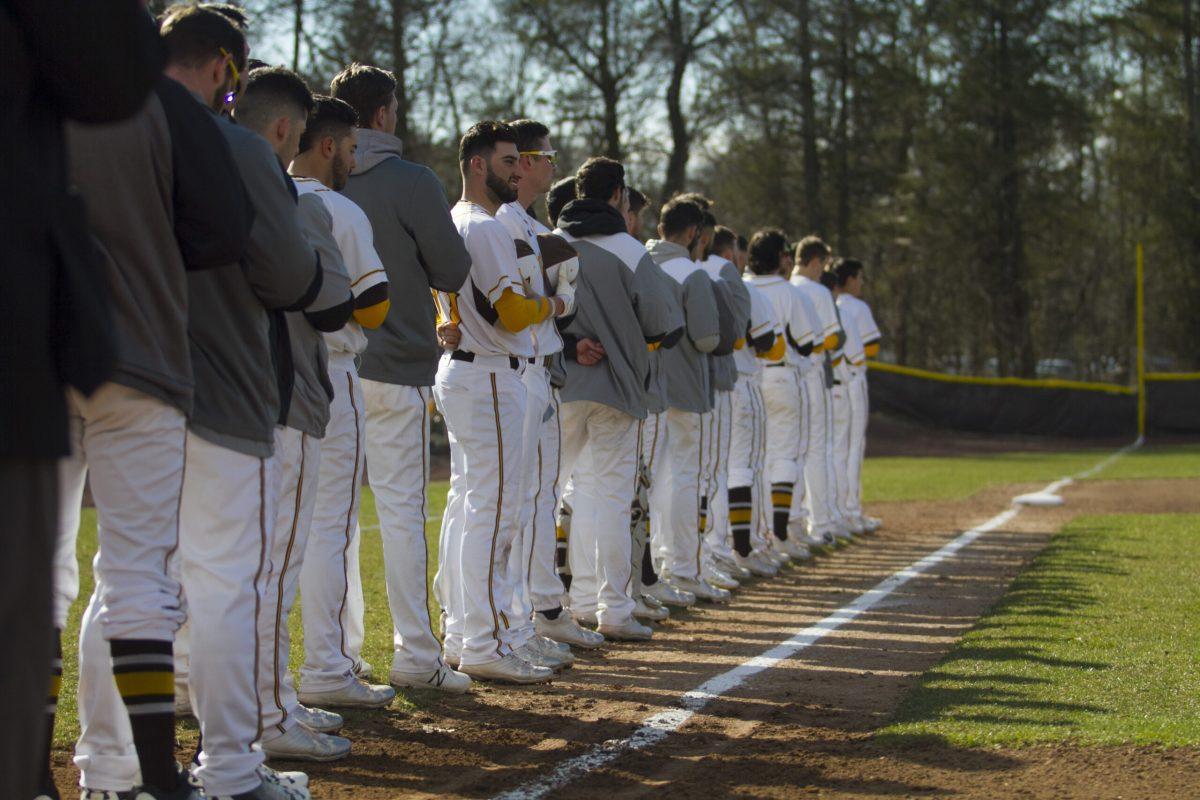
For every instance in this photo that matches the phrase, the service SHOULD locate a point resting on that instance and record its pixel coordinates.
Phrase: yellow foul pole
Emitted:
(1141, 342)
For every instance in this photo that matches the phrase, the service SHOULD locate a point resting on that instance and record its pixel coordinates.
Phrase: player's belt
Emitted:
(541, 360)
(469, 357)
(778, 364)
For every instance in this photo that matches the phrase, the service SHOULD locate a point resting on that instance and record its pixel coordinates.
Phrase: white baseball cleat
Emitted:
(629, 630)
(533, 652)
(795, 550)
(855, 526)
(732, 568)
(509, 669)
(871, 524)
(318, 719)
(270, 791)
(715, 576)
(364, 671)
(302, 744)
(355, 694)
(654, 613)
(585, 618)
(289, 779)
(842, 535)
(701, 589)
(669, 595)
(758, 565)
(566, 630)
(441, 679)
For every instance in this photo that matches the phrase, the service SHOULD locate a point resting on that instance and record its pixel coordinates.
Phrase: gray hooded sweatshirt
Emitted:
(233, 344)
(619, 301)
(420, 249)
(685, 366)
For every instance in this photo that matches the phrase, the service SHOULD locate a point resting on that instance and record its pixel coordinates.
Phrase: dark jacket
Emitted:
(91, 62)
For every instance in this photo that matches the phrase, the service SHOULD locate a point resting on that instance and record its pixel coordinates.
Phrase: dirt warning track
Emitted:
(803, 726)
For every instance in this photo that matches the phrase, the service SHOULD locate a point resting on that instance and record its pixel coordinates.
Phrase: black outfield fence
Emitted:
(1037, 407)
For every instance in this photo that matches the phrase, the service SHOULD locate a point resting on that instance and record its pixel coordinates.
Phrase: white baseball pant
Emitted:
(716, 539)
(133, 447)
(747, 448)
(858, 439)
(782, 399)
(654, 444)
(229, 507)
(518, 566)
(483, 403)
(545, 587)
(599, 452)
(841, 412)
(818, 480)
(299, 457)
(675, 494)
(330, 590)
(398, 465)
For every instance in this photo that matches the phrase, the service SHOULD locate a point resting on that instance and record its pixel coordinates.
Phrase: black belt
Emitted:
(836, 382)
(542, 360)
(469, 357)
(780, 364)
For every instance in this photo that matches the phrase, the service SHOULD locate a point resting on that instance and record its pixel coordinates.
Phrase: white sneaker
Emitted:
(549, 653)
(441, 679)
(628, 631)
(355, 694)
(509, 669)
(701, 589)
(364, 670)
(757, 564)
(270, 791)
(669, 595)
(566, 630)
(714, 576)
(291, 780)
(318, 719)
(796, 551)
(302, 744)
(731, 567)
(643, 610)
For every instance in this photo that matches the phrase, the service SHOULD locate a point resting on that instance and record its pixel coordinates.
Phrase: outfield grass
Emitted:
(895, 478)
(909, 478)
(1097, 643)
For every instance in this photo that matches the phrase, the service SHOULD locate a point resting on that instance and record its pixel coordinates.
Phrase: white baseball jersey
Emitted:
(825, 323)
(518, 222)
(868, 331)
(493, 270)
(789, 311)
(762, 320)
(354, 237)
(853, 349)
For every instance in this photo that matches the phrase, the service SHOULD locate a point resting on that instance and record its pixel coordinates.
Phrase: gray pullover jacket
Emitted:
(620, 302)
(685, 366)
(734, 301)
(312, 393)
(163, 196)
(420, 249)
(234, 347)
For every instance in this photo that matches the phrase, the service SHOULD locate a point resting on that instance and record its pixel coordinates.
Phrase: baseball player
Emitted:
(482, 397)
(624, 305)
(231, 483)
(720, 567)
(769, 259)
(276, 104)
(675, 501)
(328, 676)
(857, 314)
(420, 248)
(530, 567)
(170, 169)
(850, 353)
(819, 481)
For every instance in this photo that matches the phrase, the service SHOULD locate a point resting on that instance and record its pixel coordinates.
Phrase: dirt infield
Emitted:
(803, 729)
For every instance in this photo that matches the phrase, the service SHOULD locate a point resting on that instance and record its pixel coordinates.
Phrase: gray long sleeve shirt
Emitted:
(685, 366)
(620, 302)
(237, 398)
(420, 249)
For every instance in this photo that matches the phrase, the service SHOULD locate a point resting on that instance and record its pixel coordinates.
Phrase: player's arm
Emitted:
(658, 313)
(371, 306)
(334, 304)
(212, 213)
(440, 249)
(700, 311)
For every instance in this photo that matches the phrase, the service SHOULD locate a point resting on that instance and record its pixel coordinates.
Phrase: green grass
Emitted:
(909, 478)
(1097, 643)
(884, 479)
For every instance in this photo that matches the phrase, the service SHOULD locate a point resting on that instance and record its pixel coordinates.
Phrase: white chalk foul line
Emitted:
(655, 728)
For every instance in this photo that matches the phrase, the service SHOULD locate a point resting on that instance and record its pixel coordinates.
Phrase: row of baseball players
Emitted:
(289, 339)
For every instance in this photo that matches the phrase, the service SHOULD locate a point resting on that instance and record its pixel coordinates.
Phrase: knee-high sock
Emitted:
(781, 503)
(741, 514)
(562, 538)
(144, 670)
